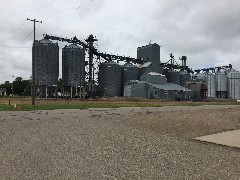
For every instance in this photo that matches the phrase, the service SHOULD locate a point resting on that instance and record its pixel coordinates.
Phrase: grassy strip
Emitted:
(24, 107)
(27, 107)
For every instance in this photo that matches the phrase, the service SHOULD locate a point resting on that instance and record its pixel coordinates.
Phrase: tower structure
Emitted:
(150, 54)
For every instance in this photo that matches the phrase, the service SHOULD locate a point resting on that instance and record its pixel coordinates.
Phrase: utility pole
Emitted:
(33, 63)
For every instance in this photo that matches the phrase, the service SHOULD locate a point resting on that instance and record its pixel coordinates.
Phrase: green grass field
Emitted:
(24, 104)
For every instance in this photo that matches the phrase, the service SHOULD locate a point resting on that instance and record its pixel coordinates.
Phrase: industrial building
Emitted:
(155, 87)
(151, 55)
(145, 76)
(222, 82)
(46, 66)
(73, 69)
(144, 80)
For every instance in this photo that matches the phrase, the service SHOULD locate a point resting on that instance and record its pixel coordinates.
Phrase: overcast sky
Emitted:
(206, 31)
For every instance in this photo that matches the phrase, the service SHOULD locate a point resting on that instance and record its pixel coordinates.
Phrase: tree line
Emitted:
(18, 87)
(21, 87)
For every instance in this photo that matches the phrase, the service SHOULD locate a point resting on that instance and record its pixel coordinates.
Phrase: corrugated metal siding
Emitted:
(127, 91)
(139, 90)
(73, 62)
(47, 63)
(173, 77)
(155, 91)
(211, 85)
(154, 79)
(233, 84)
(110, 79)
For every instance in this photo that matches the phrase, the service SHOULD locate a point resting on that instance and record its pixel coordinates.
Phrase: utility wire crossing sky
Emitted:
(206, 31)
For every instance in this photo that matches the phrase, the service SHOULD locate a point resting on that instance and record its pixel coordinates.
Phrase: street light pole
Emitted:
(33, 63)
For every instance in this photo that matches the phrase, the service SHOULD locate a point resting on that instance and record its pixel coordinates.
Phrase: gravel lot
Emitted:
(123, 143)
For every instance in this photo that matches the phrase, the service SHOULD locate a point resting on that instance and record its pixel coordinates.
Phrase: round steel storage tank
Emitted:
(233, 84)
(222, 79)
(110, 79)
(173, 77)
(184, 77)
(73, 66)
(211, 85)
(129, 72)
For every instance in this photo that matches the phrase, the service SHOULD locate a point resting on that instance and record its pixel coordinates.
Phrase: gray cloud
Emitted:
(205, 31)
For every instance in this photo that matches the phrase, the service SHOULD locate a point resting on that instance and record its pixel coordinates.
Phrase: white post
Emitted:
(76, 93)
(46, 91)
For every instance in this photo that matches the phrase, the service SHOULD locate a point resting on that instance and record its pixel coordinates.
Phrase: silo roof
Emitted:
(46, 41)
(232, 71)
(155, 74)
(73, 46)
(128, 65)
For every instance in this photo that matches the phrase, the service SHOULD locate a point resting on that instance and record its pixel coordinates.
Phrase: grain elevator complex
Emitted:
(107, 75)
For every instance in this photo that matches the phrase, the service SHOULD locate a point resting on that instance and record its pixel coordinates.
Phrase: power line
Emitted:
(70, 9)
(28, 35)
(31, 32)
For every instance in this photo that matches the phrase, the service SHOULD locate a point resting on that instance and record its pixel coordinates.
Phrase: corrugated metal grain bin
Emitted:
(47, 62)
(129, 72)
(221, 78)
(211, 85)
(233, 84)
(110, 79)
(73, 66)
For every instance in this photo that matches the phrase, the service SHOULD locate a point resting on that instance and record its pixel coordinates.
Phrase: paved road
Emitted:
(94, 144)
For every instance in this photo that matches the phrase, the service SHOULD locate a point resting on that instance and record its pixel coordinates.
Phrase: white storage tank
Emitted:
(221, 78)
(211, 84)
(233, 84)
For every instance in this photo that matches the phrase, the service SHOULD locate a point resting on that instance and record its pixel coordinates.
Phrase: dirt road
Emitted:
(122, 143)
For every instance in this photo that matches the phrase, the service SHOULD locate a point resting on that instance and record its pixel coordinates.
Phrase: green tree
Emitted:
(8, 87)
(27, 87)
(18, 87)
